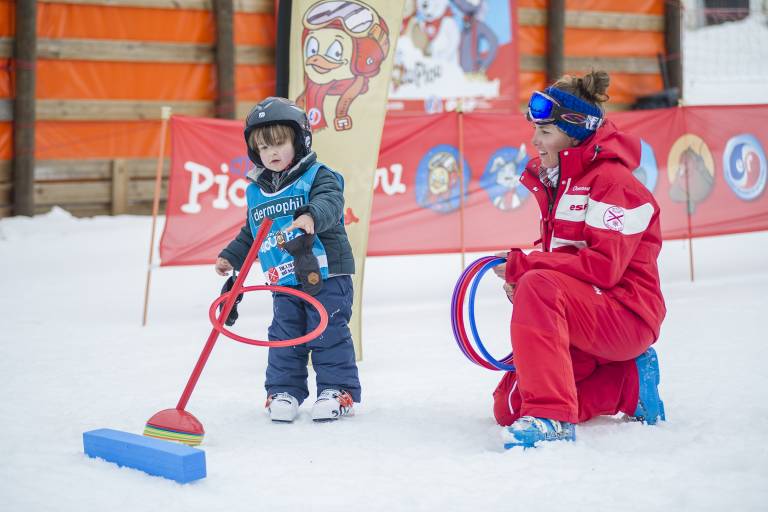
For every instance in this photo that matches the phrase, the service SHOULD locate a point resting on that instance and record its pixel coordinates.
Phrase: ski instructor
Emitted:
(587, 306)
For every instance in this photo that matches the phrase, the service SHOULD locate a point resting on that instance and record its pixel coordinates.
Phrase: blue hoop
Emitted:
(501, 365)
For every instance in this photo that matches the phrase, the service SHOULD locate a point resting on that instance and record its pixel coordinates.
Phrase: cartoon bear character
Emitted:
(433, 30)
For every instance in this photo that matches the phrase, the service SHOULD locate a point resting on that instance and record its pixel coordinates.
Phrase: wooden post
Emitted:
(119, 186)
(673, 43)
(283, 48)
(225, 59)
(555, 36)
(25, 57)
(689, 212)
(460, 113)
(165, 114)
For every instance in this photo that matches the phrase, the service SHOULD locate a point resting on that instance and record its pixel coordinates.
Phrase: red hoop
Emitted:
(280, 343)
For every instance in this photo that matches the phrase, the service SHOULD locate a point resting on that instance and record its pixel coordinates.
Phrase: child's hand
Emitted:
(305, 222)
(223, 267)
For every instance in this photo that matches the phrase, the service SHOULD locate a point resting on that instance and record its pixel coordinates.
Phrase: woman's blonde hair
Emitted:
(591, 87)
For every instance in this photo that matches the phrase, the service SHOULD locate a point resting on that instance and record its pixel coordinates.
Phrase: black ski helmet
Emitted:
(274, 110)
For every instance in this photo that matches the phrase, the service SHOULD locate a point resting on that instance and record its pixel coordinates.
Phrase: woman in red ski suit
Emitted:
(588, 306)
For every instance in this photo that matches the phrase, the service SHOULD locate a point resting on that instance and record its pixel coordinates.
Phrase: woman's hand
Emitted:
(501, 270)
(223, 267)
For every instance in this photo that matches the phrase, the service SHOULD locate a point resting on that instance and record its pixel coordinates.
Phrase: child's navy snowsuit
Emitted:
(333, 356)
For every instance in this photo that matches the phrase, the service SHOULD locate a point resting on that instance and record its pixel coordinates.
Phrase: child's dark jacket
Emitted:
(326, 205)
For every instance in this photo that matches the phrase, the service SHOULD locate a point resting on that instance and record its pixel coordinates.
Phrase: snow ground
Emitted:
(74, 357)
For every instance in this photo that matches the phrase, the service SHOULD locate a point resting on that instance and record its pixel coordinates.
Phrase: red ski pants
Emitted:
(574, 350)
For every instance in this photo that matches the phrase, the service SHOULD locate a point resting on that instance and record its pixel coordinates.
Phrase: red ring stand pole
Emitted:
(266, 224)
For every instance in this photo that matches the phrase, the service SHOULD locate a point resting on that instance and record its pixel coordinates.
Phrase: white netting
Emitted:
(725, 53)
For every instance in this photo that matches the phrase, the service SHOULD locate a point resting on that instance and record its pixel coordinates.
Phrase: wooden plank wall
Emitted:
(102, 81)
(622, 38)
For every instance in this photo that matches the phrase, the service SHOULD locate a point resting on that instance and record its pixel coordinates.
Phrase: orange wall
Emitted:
(70, 79)
(79, 79)
(7, 18)
(624, 88)
(137, 24)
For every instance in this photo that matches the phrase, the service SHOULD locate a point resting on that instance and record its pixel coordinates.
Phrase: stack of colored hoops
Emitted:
(470, 279)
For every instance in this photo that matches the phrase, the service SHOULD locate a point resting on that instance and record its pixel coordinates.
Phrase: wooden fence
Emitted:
(105, 184)
(90, 187)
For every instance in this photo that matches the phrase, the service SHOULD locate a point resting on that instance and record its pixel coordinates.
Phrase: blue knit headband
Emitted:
(577, 131)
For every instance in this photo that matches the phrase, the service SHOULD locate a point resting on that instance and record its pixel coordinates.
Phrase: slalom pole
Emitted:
(690, 231)
(460, 110)
(165, 114)
(266, 224)
(180, 425)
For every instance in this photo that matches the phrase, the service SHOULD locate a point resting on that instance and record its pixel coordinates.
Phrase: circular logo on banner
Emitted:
(744, 166)
(648, 171)
(501, 178)
(314, 116)
(437, 184)
(614, 218)
(691, 170)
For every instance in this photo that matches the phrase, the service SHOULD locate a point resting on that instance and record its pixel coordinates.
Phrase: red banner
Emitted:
(706, 166)
(206, 189)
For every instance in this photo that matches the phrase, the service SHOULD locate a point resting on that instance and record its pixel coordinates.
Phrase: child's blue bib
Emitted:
(280, 206)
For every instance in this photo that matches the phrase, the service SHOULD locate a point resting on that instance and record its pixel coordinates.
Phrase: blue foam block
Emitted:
(154, 456)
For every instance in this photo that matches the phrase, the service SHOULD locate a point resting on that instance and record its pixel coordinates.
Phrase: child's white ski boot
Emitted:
(332, 404)
(282, 407)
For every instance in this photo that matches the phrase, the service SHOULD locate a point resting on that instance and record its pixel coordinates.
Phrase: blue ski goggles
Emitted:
(544, 109)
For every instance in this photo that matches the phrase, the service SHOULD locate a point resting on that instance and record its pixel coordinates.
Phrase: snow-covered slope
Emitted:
(74, 357)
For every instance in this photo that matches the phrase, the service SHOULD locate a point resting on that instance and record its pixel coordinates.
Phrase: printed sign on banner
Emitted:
(451, 51)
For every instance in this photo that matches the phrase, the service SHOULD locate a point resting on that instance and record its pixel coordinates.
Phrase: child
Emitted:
(588, 306)
(299, 193)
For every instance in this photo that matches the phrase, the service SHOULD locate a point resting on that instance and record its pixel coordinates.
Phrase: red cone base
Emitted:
(175, 425)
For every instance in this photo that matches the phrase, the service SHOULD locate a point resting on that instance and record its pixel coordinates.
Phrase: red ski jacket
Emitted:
(600, 225)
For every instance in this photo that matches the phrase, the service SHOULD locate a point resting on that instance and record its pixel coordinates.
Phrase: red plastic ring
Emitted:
(317, 331)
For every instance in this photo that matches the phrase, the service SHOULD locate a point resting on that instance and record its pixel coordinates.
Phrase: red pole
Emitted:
(230, 302)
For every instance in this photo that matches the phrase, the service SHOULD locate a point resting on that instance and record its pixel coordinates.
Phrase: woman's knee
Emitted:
(537, 282)
(539, 277)
(536, 299)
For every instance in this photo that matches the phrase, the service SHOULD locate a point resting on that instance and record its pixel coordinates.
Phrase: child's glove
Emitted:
(230, 282)
(305, 264)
